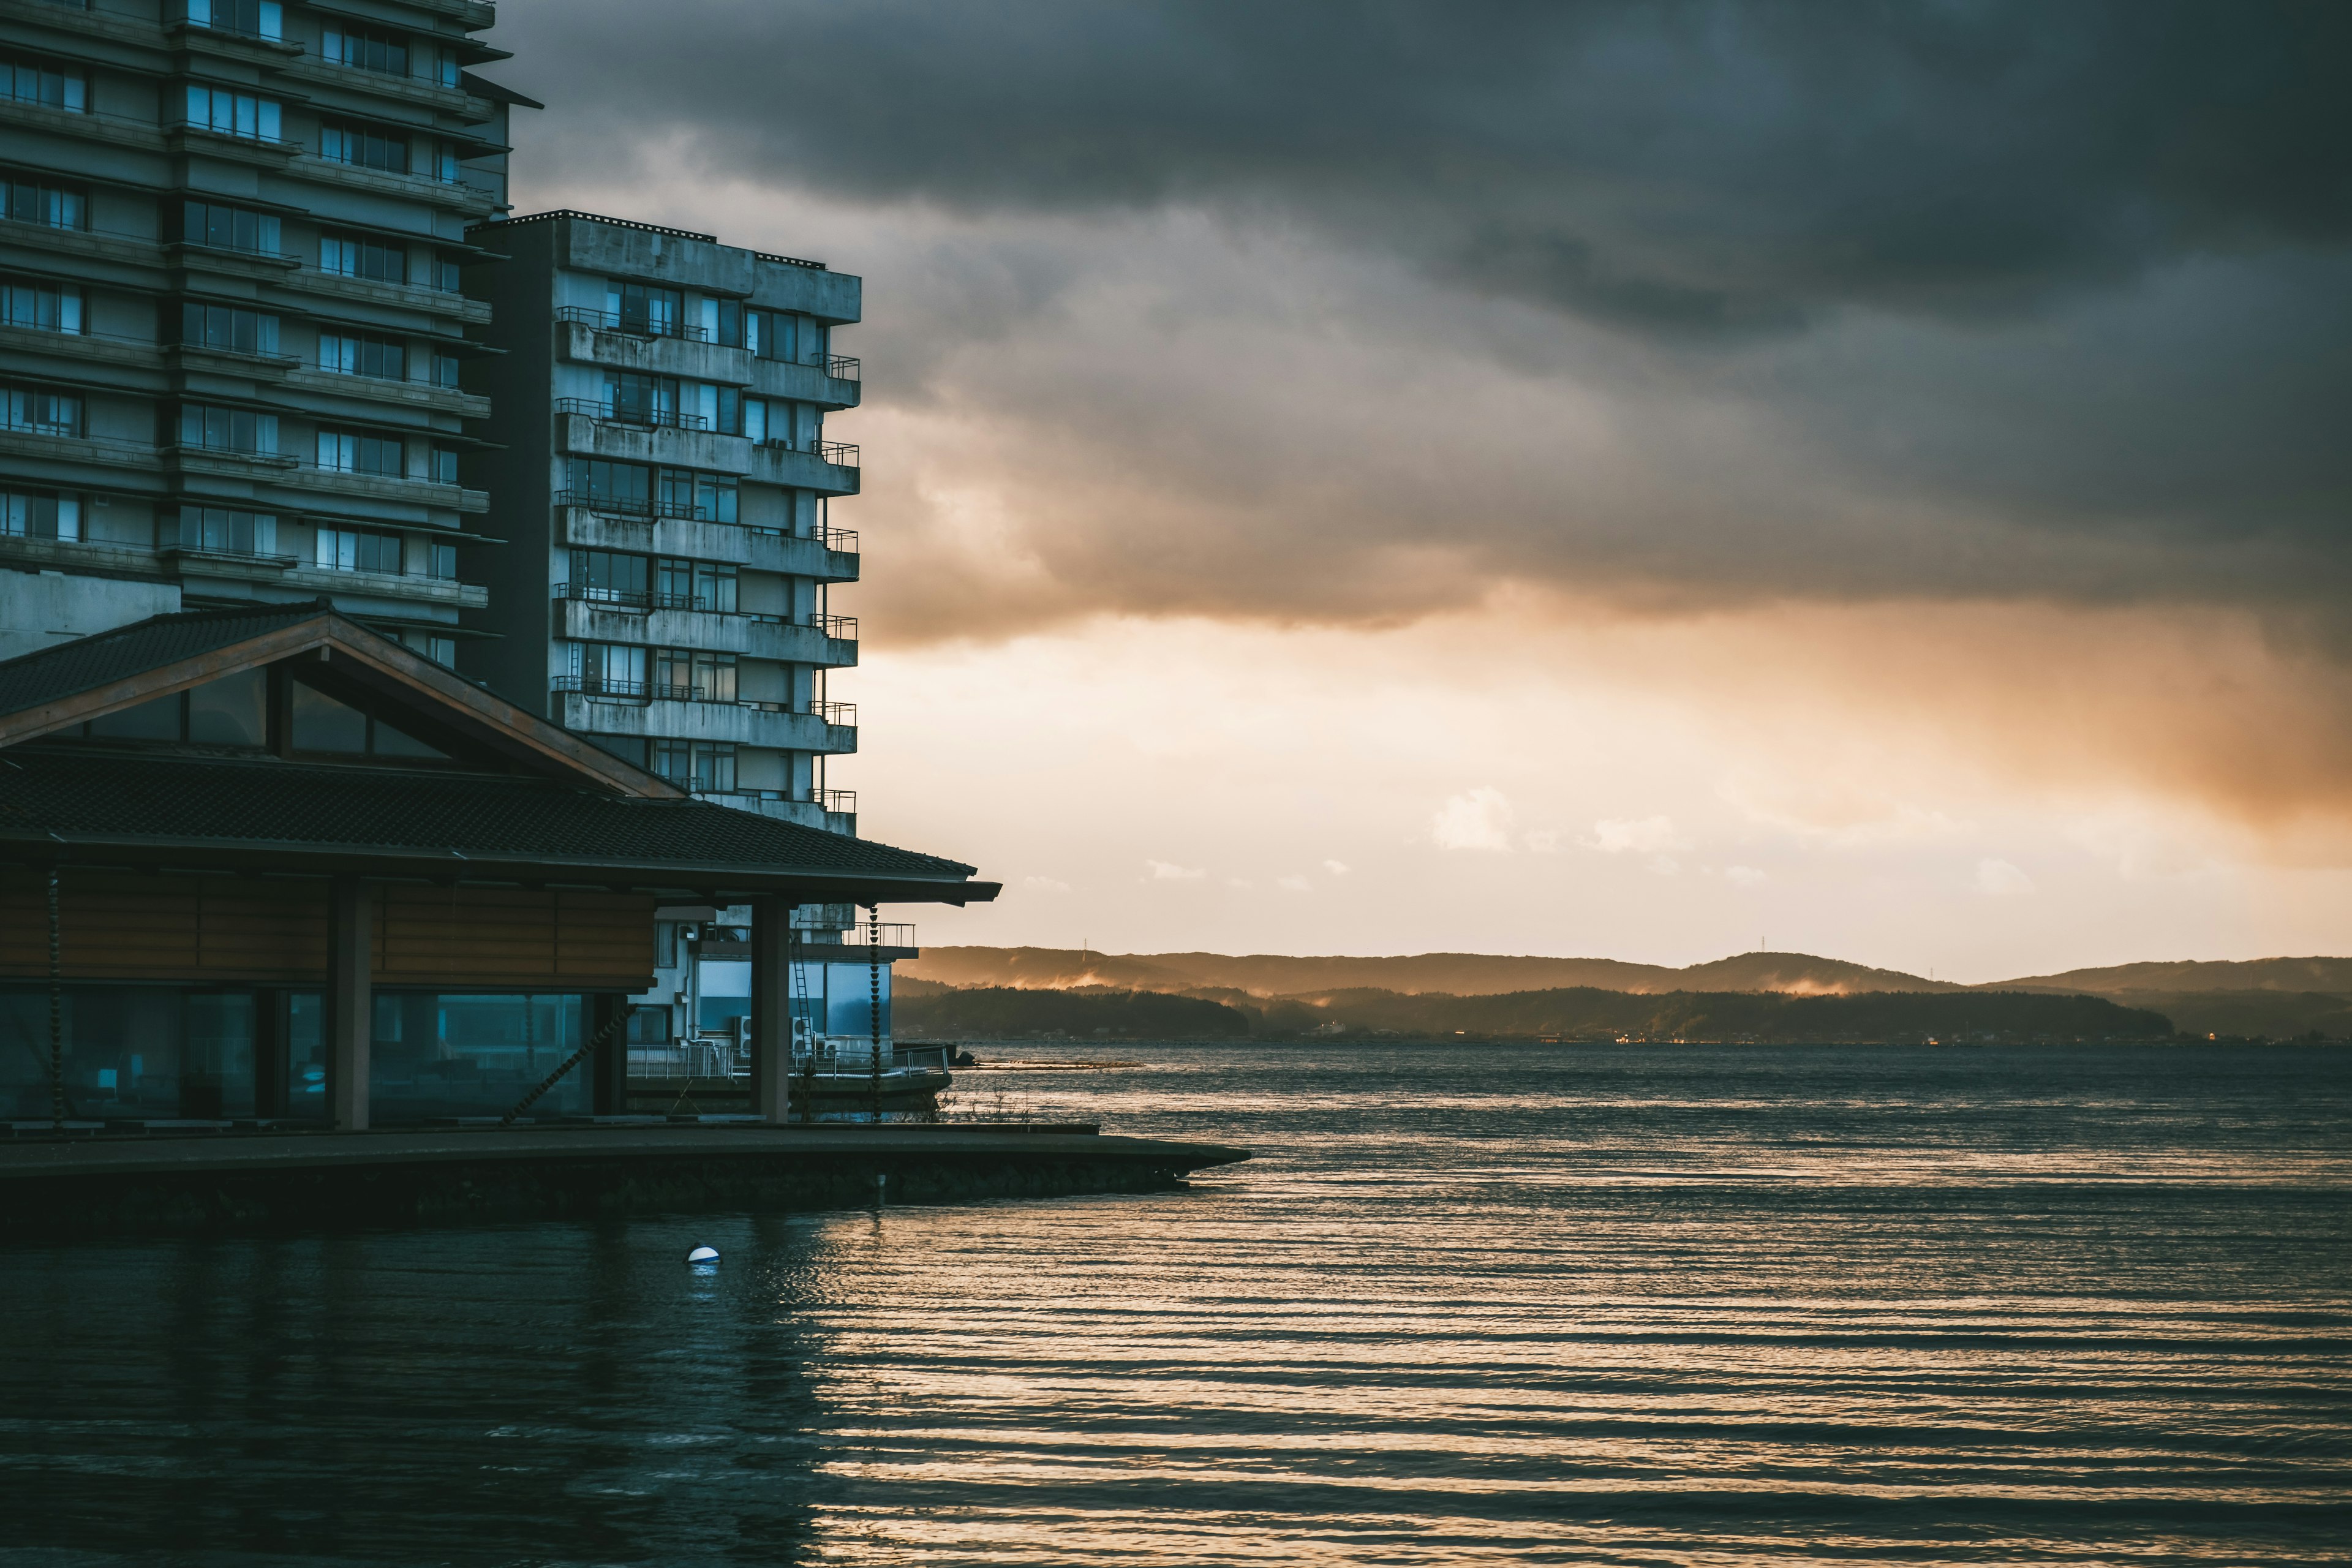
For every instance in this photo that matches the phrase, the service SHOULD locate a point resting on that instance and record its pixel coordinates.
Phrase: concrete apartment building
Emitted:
(655, 444)
(231, 327)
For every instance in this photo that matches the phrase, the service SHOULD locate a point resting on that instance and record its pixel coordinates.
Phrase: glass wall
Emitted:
(131, 1052)
(442, 1054)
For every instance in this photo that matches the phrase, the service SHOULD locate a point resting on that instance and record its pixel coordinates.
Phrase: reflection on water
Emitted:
(1540, 1304)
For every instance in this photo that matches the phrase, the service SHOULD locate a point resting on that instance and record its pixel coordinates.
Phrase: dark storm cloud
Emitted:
(1692, 168)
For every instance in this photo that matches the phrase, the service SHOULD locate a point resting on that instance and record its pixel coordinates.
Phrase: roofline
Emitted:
(727, 881)
(382, 663)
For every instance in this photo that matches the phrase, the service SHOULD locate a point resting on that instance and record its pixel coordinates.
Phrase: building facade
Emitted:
(655, 445)
(232, 331)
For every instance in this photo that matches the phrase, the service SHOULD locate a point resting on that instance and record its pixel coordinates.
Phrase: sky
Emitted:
(1636, 480)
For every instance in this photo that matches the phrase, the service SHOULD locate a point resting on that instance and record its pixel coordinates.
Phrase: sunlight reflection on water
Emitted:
(1536, 1304)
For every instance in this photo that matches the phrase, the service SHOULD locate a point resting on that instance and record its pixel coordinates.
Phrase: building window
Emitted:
(227, 113)
(694, 586)
(441, 650)
(227, 328)
(358, 354)
(694, 675)
(254, 18)
(364, 146)
(357, 452)
(364, 50)
(614, 487)
(445, 163)
(40, 514)
(224, 227)
(616, 669)
(646, 308)
(222, 530)
(43, 82)
(705, 766)
(444, 464)
(45, 307)
(52, 207)
(350, 550)
(356, 255)
(219, 429)
(445, 371)
(323, 725)
(43, 412)
(779, 335)
(607, 576)
(715, 497)
(755, 419)
(448, 274)
(642, 399)
(441, 562)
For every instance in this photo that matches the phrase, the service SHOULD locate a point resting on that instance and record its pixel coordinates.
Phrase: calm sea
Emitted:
(1552, 1304)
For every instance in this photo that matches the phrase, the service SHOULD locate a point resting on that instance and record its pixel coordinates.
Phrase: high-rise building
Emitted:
(232, 331)
(656, 446)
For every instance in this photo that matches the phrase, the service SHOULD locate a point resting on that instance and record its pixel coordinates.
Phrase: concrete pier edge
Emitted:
(68, 1188)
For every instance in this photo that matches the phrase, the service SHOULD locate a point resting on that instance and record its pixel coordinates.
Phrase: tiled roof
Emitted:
(87, 663)
(85, 795)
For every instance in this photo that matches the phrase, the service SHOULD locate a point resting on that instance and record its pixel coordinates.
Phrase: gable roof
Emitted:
(96, 805)
(56, 689)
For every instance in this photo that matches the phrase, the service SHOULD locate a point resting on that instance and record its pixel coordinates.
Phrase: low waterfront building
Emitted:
(231, 327)
(263, 863)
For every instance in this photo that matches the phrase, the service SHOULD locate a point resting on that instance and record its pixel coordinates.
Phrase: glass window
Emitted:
(46, 306)
(228, 113)
(352, 550)
(441, 562)
(364, 146)
(723, 989)
(646, 308)
(358, 452)
(359, 354)
(616, 668)
(227, 328)
(51, 206)
(44, 82)
(42, 410)
(714, 587)
(442, 650)
(160, 720)
(224, 227)
(715, 497)
(231, 711)
(620, 487)
(40, 514)
(444, 464)
(436, 1054)
(228, 430)
(323, 725)
(642, 399)
(357, 256)
(364, 50)
(223, 530)
(850, 1002)
(254, 18)
(132, 1051)
(609, 576)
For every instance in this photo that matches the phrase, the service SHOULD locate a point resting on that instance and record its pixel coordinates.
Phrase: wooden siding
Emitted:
(123, 925)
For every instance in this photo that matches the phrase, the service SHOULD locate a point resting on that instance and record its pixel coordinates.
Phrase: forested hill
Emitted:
(1582, 1012)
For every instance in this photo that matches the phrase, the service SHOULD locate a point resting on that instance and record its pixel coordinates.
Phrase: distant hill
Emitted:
(1577, 1013)
(1453, 974)
(2322, 974)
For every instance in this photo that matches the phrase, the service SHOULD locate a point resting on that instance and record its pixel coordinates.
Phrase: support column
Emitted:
(350, 1002)
(608, 1066)
(771, 1053)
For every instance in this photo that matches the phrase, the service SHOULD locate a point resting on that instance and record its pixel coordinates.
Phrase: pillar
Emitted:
(608, 1066)
(771, 1052)
(348, 1003)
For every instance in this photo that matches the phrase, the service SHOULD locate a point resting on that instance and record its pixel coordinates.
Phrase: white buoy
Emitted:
(703, 1255)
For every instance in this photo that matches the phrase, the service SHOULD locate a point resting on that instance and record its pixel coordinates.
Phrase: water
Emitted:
(1548, 1304)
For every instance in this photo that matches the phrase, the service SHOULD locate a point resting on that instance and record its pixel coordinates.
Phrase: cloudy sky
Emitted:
(1641, 480)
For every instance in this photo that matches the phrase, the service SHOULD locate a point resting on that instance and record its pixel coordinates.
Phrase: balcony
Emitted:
(834, 812)
(831, 559)
(677, 444)
(421, 396)
(590, 615)
(598, 337)
(385, 487)
(470, 200)
(675, 713)
(834, 385)
(406, 296)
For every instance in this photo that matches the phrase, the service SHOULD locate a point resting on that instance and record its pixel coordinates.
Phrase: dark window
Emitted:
(364, 50)
(622, 487)
(356, 255)
(694, 675)
(225, 327)
(609, 576)
(46, 306)
(715, 497)
(364, 146)
(360, 353)
(441, 561)
(644, 399)
(254, 18)
(616, 669)
(448, 274)
(227, 228)
(359, 452)
(231, 711)
(54, 206)
(444, 464)
(355, 550)
(445, 371)
(223, 530)
(44, 82)
(228, 430)
(705, 765)
(40, 514)
(42, 410)
(681, 584)
(730, 323)
(646, 308)
(323, 725)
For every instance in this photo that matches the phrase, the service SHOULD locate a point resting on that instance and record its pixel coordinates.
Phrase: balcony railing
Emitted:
(631, 506)
(634, 326)
(840, 453)
(843, 801)
(841, 367)
(647, 603)
(606, 413)
(841, 713)
(894, 933)
(843, 629)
